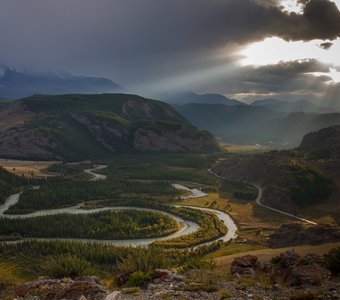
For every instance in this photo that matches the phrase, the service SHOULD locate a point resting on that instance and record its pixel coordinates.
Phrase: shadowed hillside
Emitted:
(76, 127)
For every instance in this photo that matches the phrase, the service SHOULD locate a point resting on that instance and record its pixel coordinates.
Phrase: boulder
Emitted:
(245, 265)
(123, 278)
(77, 289)
(308, 275)
(165, 275)
(289, 258)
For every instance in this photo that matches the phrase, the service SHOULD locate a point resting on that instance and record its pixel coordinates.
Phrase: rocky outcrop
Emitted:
(245, 265)
(30, 143)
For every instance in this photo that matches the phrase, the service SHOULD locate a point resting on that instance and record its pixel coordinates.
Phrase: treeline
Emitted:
(27, 255)
(73, 171)
(9, 184)
(33, 258)
(211, 228)
(311, 185)
(62, 193)
(237, 190)
(106, 225)
(173, 167)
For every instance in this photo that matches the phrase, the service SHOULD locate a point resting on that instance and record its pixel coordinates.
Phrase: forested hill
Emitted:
(324, 143)
(302, 177)
(77, 127)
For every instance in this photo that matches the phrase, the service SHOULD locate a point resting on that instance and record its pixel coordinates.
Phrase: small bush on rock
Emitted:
(138, 279)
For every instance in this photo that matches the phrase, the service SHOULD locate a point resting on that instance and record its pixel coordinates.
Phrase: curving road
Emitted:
(259, 203)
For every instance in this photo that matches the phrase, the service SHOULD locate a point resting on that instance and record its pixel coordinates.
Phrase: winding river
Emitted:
(186, 227)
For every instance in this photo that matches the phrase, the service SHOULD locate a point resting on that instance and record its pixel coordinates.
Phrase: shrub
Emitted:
(7, 277)
(65, 266)
(333, 261)
(139, 279)
(209, 288)
(305, 295)
(130, 291)
(144, 260)
(196, 263)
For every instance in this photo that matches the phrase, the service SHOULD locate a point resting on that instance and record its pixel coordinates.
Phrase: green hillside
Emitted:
(77, 127)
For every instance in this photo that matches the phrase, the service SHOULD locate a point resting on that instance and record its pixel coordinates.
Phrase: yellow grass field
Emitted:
(246, 214)
(232, 148)
(26, 168)
(265, 255)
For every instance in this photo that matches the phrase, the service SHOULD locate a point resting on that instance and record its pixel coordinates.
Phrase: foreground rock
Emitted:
(245, 265)
(84, 288)
(288, 276)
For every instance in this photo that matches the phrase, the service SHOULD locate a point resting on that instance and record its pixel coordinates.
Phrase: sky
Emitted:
(244, 49)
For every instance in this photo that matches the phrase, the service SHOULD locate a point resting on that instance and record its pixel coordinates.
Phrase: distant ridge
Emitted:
(291, 106)
(191, 97)
(18, 83)
(249, 124)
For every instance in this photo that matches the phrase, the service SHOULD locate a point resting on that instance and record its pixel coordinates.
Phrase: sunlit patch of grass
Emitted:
(213, 200)
(9, 275)
(233, 249)
(26, 168)
(233, 148)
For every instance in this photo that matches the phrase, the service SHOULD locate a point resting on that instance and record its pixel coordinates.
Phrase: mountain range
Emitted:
(191, 97)
(20, 82)
(247, 124)
(291, 106)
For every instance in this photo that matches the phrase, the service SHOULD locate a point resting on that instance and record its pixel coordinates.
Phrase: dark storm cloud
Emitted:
(283, 78)
(139, 41)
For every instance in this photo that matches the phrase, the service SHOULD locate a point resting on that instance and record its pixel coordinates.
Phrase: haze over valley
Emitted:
(169, 150)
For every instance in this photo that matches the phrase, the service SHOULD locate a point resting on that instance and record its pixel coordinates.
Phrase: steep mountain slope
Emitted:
(291, 106)
(191, 97)
(75, 127)
(289, 130)
(19, 83)
(231, 123)
(256, 124)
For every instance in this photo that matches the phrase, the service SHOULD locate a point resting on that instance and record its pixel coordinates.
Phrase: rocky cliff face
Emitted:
(75, 127)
